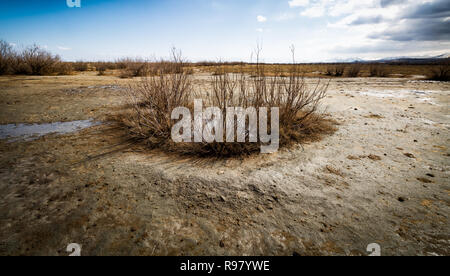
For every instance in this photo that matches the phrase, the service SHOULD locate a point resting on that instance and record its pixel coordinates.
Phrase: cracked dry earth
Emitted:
(383, 178)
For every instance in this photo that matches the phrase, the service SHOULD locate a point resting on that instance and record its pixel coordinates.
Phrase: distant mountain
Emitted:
(416, 59)
(443, 56)
(347, 60)
(401, 59)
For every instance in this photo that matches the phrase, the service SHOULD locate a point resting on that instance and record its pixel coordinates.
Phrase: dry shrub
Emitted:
(189, 70)
(32, 60)
(135, 68)
(101, 70)
(143, 70)
(124, 63)
(440, 73)
(153, 99)
(103, 66)
(126, 74)
(140, 68)
(207, 63)
(335, 70)
(80, 66)
(378, 70)
(339, 70)
(19, 66)
(63, 68)
(329, 71)
(353, 70)
(39, 60)
(219, 71)
(6, 57)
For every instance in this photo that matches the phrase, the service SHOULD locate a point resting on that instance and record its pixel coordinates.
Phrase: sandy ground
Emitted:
(383, 178)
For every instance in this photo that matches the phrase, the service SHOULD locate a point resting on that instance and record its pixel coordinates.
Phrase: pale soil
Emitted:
(332, 197)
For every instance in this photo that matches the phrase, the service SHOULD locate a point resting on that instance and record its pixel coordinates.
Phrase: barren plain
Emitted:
(383, 178)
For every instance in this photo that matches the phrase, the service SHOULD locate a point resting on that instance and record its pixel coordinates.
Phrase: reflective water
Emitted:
(29, 132)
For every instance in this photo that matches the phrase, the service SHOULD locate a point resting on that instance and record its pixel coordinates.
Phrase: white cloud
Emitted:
(346, 7)
(315, 11)
(64, 48)
(298, 3)
(261, 18)
(379, 49)
(285, 16)
(338, 8)
(373, 27)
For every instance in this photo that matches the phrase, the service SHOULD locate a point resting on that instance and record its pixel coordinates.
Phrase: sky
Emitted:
(229, 30)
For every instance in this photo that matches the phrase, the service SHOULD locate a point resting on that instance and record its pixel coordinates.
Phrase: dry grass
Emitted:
(153, 98)
(374, 157)
(352, 157)
(333, 170)
(425, 180)
(374, 116)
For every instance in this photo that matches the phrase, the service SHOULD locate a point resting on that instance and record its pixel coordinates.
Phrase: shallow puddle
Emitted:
(30, 132)
(402, 93)
(111, 87)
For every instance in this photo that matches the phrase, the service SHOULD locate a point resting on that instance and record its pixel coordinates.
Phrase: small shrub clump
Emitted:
(440, 73)
(6, 57)
(152, 100)
(354, 70)
(335, 70)
(64, 68)
(135, 68)
(80, 66)
(378, 70)
(101, 70)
